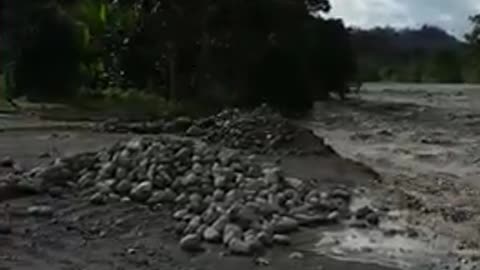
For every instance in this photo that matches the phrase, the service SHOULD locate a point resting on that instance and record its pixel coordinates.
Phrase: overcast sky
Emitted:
(451, 15)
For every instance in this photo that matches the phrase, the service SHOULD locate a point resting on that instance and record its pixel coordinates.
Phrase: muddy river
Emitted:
(424, 141)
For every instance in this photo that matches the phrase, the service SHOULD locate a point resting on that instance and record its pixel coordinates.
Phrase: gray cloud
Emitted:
(451, 15)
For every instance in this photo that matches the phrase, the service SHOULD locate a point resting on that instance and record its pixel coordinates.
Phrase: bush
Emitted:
(127, 104)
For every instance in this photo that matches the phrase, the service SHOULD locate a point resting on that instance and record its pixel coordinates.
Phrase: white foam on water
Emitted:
(372, 246)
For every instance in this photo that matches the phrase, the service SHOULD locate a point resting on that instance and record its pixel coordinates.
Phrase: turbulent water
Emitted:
(424, 141)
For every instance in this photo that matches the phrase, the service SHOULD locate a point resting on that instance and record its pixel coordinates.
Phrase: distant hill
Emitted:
(387, 38)
(386, 53)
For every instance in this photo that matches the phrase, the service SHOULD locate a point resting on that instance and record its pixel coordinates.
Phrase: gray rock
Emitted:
(196, 159)
(373, 218)
(7, 162)
(363, 212)
(124, 186)
(341, 193)
(281, 239)
(162, 179)
(253, 184)
(246, 215)
(40, 210)
(216, 169)
(231, 231)
(143, 165)
(359, 224)
(191, 243)
(195, 198)
(218, 195)
(296, 256)
(134, 144)
(157, 197)
(163, 196)
(194, 131)
(221, 223)
(265, 238)
(294, 183)
(260, 261)
(238, 247)
(333, 217)
(264, 207)
(112, 197)
(181, 198)
(285, 225)
(302, 209)
(181, 124)
(169, 196)
(124, 159)
(103, 187)
(151, 173)
(120, 173)
(201, 229)
(86, 180)
(211, 214)
(142, 191)
(110, 183)
(183, 154)
(312, 219)
(107, 170)
(212, 235)
(220, 181)
(57, 174)
(273, 176)
(180, 214)
(189, 179)
(98, 198)
(193, 225)
(252, 240)
(197, 168)
(233, 196)
(227, 156)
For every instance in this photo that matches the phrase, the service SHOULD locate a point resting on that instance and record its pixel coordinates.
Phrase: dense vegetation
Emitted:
(427, 54)
(216, 52)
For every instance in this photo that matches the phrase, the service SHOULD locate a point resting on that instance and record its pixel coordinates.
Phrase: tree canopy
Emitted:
(228, 51)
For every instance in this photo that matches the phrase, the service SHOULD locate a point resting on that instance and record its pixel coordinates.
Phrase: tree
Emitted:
(472, 55)
(249, 51)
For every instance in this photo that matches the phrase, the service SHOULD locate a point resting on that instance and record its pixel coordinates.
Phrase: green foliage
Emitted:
(127, 103)
(471, 70)
(427, 54)
(220, 52)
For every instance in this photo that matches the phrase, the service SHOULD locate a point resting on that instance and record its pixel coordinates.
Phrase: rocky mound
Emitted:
(261, 130)
(215, 194)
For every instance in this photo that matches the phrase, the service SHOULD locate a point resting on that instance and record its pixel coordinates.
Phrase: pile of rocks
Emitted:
(216, 195)
(260, 130)
(177, 125)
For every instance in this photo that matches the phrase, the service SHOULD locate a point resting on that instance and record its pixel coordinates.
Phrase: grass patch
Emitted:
(128, 105)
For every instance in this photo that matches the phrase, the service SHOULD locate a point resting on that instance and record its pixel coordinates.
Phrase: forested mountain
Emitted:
(426, 54)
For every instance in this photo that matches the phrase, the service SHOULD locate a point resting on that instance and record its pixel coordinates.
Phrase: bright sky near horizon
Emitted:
(451, 15)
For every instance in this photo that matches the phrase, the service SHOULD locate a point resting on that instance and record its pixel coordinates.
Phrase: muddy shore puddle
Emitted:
(372, 246)
(394, 243)
(425, 143)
